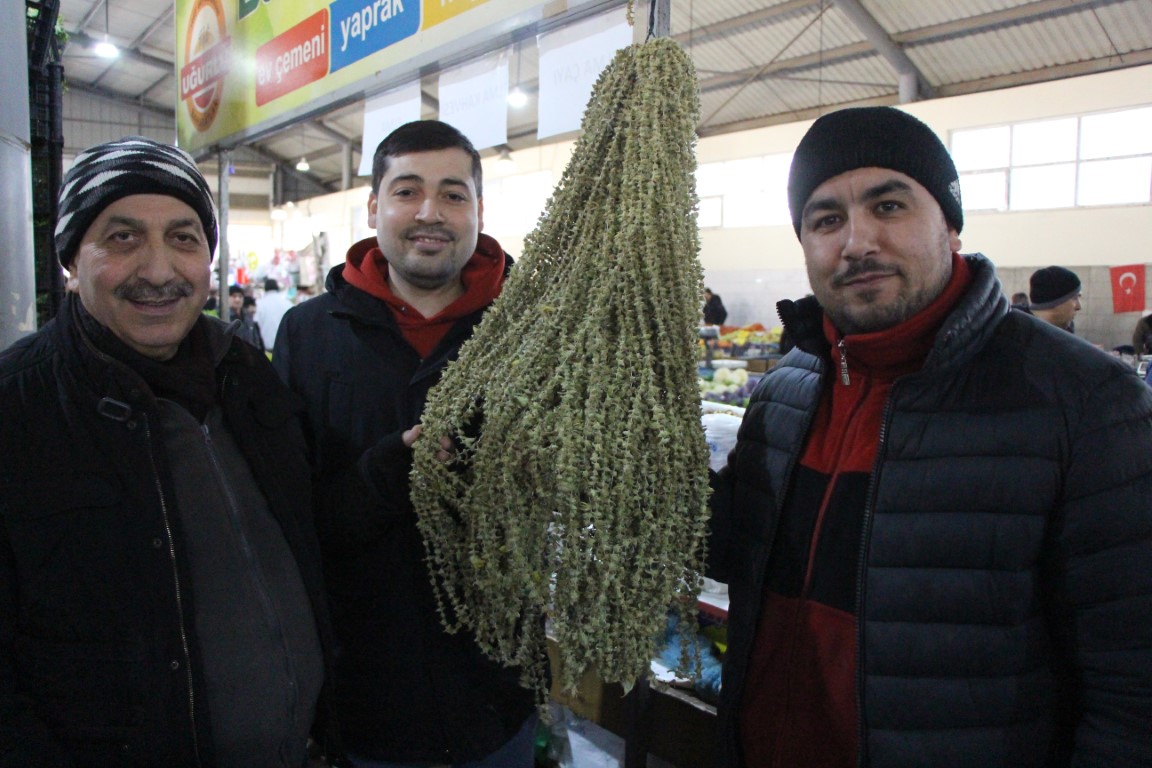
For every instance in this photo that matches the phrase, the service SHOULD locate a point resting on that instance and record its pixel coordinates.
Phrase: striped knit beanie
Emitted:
(133, 165)
(874, 137)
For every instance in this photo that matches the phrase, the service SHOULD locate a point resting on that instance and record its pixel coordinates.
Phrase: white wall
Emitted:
(752, 268)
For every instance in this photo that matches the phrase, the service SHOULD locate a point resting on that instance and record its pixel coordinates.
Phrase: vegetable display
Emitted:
(578, 487)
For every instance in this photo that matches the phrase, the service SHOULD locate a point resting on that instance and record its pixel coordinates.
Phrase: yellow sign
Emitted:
(436, 11)
(246, 66)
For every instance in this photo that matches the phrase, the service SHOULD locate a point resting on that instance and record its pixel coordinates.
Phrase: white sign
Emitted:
(384, 114)
(570, 61)
(474, 100)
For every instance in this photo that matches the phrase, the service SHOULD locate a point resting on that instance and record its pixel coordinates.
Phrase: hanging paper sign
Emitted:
(384, 114)
(474, 100)
(571, 59)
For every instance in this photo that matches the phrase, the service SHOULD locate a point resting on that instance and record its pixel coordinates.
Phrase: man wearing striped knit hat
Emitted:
(160, 592)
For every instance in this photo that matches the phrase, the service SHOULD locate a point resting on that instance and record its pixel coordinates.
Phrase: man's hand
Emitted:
(447, 450)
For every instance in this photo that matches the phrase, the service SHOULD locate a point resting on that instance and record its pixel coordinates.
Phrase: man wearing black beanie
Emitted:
(1054, 296)
(161, 600)
(935, 526)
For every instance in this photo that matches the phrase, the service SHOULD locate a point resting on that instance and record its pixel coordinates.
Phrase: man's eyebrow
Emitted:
(124, 221)
(451, 181)
(872, 193)
(406, 178)
(820, 204)
(181, 223)
(887, 188)
(128, 221)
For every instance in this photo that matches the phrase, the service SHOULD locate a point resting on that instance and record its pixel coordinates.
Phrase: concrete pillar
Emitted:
(17, 263)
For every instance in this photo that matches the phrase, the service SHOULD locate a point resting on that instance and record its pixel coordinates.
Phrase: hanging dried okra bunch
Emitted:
(579, 490)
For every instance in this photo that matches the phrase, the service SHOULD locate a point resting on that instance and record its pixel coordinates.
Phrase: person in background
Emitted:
(270, 311)
(935, 525)
(248, 329)
(161, 601)
(1054, 296)
(235, 302)
(714, 311)
(248, 309)
(1020, 301)
(211, 306)
(1142, 336)
(363, 356)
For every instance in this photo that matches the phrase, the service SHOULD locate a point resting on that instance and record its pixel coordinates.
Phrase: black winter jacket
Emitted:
(1004, 601)
(406, 691)
(99, 663)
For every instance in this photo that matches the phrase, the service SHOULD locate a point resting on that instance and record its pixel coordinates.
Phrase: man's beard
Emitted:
(878, 317)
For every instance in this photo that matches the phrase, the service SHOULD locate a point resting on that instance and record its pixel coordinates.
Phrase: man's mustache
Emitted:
(430, 231)
(863, 267)
(143, 291)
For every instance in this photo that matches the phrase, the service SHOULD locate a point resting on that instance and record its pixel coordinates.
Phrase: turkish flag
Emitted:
(1128, 288)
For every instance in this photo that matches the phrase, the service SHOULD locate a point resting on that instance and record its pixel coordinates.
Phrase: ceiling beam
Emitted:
(85, 40)
(84, 22)
(787, 66)
(307, 181)
(1034, 11)
(1021, 14)
(160, 21)
(1046, 74)
(330, 132)
(737, 23)
(912, 82)
(119, 98)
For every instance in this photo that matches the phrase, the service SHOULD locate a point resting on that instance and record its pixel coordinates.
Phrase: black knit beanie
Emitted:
(873, 137)
(1052, 286)
(133, 165)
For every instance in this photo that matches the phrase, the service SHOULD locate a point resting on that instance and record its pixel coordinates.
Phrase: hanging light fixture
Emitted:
(302, 164)
(106, 49)
(505, 161)
(517, 98)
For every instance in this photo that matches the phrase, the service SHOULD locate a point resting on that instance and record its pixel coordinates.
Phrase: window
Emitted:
(751, 192)
(1098, 159)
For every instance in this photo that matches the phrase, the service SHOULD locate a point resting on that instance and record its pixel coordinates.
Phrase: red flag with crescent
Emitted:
(1128, 288)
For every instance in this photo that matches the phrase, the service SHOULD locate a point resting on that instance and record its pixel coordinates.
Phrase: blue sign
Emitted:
(360, 28)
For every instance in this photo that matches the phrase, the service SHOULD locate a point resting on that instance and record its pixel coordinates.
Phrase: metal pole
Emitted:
(651, 18)
(660, 18)
(346, 166)
(224, 161)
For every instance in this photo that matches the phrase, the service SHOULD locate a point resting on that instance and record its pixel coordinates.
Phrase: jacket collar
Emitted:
(360, 304)
(106, 377)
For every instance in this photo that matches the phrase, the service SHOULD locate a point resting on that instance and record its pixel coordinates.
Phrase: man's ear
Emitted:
(72, 282)
(372, 204)
(480, 215)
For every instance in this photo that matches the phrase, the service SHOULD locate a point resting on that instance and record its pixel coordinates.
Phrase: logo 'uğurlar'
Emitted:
(206, 48)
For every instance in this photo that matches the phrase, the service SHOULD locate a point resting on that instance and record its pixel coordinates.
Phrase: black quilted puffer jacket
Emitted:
(1004, 601)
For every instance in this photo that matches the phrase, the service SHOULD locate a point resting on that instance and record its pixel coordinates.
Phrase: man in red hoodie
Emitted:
(363, 356)
(935, 525)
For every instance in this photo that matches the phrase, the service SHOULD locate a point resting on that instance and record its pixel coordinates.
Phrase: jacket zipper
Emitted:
(840, 345)
(179, 594)
(861, 569)
(245, 545)
(762, 565)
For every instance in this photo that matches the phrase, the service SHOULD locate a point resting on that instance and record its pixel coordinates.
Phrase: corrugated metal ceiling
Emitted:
(759, 61)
